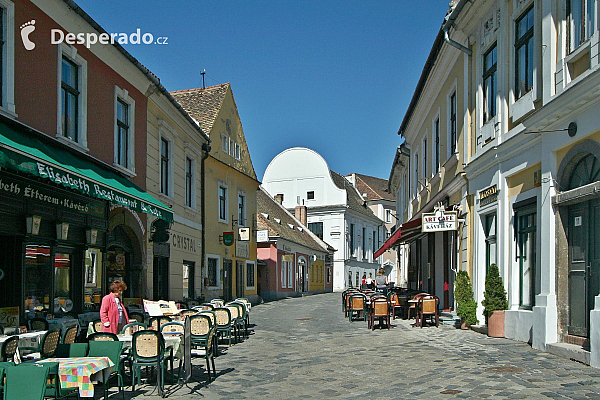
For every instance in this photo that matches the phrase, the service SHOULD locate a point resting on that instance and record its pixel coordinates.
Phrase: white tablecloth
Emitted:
(29, 339)
(62, 323)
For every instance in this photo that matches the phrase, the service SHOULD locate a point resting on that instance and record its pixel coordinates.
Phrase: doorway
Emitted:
(584, 264)
(227, 281)
(239, 279)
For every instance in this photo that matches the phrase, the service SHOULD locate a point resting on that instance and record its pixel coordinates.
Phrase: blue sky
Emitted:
(334, 76)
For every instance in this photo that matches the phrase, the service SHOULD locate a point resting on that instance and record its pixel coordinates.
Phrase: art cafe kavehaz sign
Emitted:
(439, 221)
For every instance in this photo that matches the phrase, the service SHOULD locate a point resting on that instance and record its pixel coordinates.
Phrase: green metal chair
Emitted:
(148, 350)
(38, 324)
(47, 346)
(224, 322)
(113, 351)
(135, 316)
(202, 338)
(9, 348)
(245, 315)
(103, 336)
(70, 334)
(156, 322)
(26, 381)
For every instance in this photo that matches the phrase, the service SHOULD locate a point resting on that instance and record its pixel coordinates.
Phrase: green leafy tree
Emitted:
(494, 295)
(463, 293)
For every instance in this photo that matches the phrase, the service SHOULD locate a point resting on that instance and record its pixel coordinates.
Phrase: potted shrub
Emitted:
(495, 302)
(466, 307)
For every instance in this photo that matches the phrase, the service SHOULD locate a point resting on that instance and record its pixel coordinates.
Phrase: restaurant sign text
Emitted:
(439, 221)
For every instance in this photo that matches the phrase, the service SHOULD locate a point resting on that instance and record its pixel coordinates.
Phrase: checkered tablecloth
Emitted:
(81, 372)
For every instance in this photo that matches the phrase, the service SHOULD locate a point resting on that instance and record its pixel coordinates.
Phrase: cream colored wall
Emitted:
(237, 175)
(523, 181)
(185, 231)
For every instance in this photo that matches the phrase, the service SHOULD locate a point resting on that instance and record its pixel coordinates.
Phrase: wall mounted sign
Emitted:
(227, 238)
(244, 234)
(184, 243)
(439, 221)
(488, 195)
(287, 257)
(242, 249)
(262, 236)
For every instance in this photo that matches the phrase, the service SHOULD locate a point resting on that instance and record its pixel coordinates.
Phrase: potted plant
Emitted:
(495, 302)
(466, 306)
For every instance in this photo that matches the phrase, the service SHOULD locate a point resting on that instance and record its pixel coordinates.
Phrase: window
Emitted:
(284, 268)
(364, 243)
(357, 279)
(124, 130)
(436, 139)
(581, 21)
(212, 272)
(388, 216)
(189, 272)
(375, 242)
(351, 240)
(290, 270)
(524, 53)
(525, 218)
(189, 182)
(241, 209)
(416, 174)
(7, 59)
(225, 144)
(222, 202)
(424, 151)
(231, 147)
(452, 123)
(70, 99)
(165, 166)
(490, 240)
(489, 84)
(310, 195)
(316, 228)
(250, 282)
(237, 151)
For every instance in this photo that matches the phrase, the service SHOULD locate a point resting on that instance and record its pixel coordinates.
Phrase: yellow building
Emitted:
(229, 253)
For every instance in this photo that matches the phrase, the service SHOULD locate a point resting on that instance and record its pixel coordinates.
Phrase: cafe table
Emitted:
(29, 339)
(82, 372)
(62, 323)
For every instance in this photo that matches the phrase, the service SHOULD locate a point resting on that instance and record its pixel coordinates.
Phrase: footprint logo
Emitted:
(26, 30)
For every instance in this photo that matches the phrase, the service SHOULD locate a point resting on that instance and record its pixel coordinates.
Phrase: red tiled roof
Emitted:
(202, 104)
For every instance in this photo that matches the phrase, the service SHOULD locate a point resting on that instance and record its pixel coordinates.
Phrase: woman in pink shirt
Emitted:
(112, 311)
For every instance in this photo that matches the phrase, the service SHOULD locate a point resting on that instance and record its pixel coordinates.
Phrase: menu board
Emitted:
(9, 316)
(160, 307)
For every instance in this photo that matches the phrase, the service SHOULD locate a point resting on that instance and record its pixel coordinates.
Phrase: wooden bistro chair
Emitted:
(380, 309)
(358, 306)
(413, 305)
(428, 308)
(395, 304)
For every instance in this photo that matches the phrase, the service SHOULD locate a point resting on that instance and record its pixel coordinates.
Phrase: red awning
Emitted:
(395, 238)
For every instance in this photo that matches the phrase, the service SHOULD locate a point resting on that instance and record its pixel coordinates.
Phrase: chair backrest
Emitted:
(182, 305)
(211, 315)
(64, 350)
(380, 307)
(217, 302)
(193, 303)
(49, 343)
(394, 299)
(26, 381)
(147, 345)
(200, 325)
(156, 322)
(235, 311)
(223, 316)
(172, 328)
(243, 311)
(133, 327)
(429, 304)
(97, 325)
(71, 334)
(205, 306)
(9, 348)
(357, 301)
(37, 324)
(103, 336)
(135, 316)
(187, 313)
(111, 350)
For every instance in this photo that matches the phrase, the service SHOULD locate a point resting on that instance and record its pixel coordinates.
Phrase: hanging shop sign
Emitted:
(262, 236)
(439, 221)
(242, 249)
(488, 195)
(244, 234)
(227, 238)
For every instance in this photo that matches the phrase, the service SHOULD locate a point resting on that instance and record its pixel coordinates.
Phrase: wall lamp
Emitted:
(62, 230)
(91, 236)
(571, 129)
(33, 223)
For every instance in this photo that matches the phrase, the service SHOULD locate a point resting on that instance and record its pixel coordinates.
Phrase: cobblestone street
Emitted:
(305, 348)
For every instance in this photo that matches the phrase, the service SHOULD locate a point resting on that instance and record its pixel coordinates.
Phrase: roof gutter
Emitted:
(450, 19)
(151, 77)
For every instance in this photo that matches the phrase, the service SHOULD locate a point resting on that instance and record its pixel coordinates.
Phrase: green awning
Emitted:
(23, 151)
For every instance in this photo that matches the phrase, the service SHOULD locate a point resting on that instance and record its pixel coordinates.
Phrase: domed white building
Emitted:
(299, 177)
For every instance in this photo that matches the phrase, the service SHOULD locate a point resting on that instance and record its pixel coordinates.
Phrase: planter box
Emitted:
(496, 324)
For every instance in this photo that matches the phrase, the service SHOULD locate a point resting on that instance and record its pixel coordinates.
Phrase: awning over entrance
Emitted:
(402, 234)
(25, 152)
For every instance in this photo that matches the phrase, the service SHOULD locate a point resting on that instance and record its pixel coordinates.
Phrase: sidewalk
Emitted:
(304, 348)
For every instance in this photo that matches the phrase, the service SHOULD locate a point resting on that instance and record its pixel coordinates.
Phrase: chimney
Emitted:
(279, 198)
(300, 214)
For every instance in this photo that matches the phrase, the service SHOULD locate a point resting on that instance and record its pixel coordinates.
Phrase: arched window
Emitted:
(586, 171)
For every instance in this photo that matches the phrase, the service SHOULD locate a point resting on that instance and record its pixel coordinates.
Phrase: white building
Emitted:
(336, 211)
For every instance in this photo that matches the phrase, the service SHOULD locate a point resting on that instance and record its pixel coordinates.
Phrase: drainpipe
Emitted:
(205, 154)
(450, 22)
